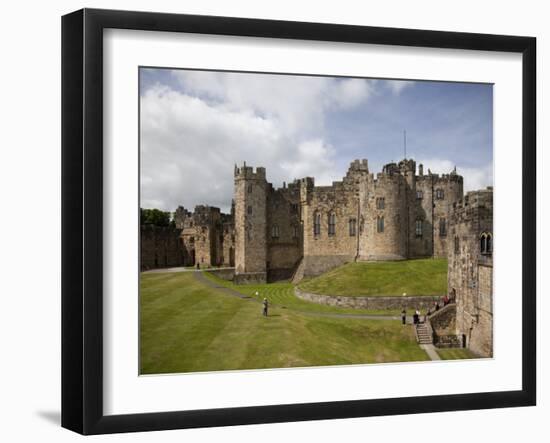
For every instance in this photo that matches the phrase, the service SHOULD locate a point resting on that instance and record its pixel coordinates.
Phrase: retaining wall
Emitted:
(420, 302)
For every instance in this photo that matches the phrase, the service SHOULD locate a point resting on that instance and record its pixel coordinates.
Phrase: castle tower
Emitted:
(383, 216)
(250, 225)
(470, 269)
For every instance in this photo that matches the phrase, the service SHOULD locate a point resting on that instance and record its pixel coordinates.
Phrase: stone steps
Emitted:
(423, 335)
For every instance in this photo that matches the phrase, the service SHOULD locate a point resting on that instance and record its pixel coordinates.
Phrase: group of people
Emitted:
(436, 307)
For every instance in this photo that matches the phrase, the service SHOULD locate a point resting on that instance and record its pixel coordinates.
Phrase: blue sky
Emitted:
(195, 125)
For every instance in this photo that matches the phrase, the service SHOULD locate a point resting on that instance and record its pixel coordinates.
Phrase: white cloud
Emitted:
(474, 178)
(190, 140)
(397, 86)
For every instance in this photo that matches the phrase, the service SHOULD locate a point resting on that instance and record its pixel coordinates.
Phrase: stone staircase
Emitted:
(424, 334)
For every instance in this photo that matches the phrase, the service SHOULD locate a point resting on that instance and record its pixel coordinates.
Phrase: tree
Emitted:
(155, 217)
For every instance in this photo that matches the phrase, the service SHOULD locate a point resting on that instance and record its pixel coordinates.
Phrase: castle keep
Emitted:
(304, 230)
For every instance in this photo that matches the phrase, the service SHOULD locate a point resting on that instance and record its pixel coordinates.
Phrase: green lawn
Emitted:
(281, 294)
(187, 326)
(413, 277)
(455, 354)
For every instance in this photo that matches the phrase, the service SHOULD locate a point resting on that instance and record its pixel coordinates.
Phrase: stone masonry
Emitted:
(393, 215)
(470, 274)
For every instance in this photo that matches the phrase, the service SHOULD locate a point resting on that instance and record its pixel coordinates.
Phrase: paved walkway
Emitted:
(206, 281)
(430, 350)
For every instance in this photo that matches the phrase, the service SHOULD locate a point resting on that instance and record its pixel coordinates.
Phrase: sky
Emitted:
(196, 125)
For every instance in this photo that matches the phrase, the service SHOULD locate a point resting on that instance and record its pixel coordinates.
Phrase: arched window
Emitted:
(352, 227)
(332, 223)
(275, 231)
(380, 203)
(439, 194)
(442, 227)
(483, 243)
(486, 243)
(457, 245)
(317, 224)
(380, 224)
(418, 228)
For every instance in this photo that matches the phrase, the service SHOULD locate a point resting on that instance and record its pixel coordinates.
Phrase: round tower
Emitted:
(383, 217)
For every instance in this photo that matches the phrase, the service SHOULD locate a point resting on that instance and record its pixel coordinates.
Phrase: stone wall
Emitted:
(160, 247)
(284, 230)
(250, 278)
(372, 303)
(314, 265)
(224, 274)
(470, 270)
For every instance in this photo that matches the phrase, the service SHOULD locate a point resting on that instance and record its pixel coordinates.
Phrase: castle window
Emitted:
(293, 208)
(419, 195)
(352, 227)
(418, 228)
(486, 243)
(457, 245)
(332, 223)
(442, 227)
(275, 231)
(250, 188)
(380, 224)
(249, 210)
(380, 203)
(294, 231)
(439, 194)
(317, 224)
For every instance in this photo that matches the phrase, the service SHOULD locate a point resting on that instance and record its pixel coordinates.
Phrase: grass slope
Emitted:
(186, 326)
(413, 277)
(281, 294)
(455, 354)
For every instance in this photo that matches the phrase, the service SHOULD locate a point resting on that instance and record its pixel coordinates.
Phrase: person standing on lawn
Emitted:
(265, 307)
(404, 317)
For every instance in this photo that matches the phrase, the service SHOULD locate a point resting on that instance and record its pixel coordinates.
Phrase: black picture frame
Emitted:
(82, 218)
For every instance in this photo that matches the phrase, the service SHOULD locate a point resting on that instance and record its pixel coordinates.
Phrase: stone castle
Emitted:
(304, 230)
(307, 229)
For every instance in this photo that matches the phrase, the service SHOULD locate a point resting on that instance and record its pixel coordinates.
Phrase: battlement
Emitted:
(359, 165)
(249, 173)
(383, 178)
(473, 201)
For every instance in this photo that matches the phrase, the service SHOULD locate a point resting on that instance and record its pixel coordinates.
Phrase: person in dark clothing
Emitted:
(415, 318)
(265, 307)
(404, 316)
(437, 306)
